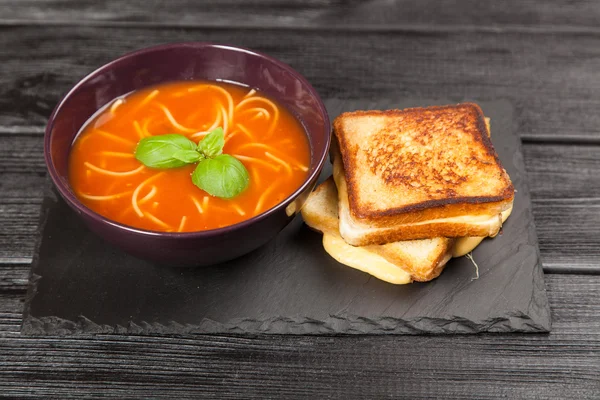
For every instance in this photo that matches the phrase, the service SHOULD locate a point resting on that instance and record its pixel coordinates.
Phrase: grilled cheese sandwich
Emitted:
(412, 189)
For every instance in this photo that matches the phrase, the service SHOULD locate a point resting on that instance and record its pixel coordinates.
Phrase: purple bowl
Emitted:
(176, 62)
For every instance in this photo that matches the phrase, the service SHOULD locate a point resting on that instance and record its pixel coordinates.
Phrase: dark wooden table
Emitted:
(544, 58)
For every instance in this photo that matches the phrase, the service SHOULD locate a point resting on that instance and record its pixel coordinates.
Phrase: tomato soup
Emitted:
(106, 176)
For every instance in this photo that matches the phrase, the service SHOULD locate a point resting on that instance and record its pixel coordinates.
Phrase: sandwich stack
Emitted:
(410, 189)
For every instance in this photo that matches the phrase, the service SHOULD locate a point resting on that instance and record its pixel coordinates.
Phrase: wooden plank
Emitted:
(553, 96)
(380, 14)
(21, 153)
(18, 231)
(562, 171)
(474, 366)
(568, 235)
(562, 183)
(11, 309)
(14, 278)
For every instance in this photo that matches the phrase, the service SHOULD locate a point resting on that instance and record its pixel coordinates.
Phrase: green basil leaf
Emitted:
(223, 176)
(158, 151)
(212, 144)
(188, 156)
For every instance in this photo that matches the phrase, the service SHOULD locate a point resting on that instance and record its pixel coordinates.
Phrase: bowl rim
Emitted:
(74, 201)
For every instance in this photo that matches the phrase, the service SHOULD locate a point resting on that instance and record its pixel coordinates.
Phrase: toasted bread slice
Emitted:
(320, 211)
(421, 164)
(359, 233)
(422, 259)
(363, 260)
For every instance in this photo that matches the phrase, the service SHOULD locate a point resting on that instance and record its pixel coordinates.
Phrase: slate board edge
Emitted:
(540, 306)
(50, 199)
(344, 325)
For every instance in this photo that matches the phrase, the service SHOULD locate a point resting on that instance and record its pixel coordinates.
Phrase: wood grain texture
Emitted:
(554, 96)
(14, 278)
(285, 14)
(568, 234)
(317, 367)
(562, 171)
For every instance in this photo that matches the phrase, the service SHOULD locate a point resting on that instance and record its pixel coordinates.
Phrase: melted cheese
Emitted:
(465, 245)
(364, 260)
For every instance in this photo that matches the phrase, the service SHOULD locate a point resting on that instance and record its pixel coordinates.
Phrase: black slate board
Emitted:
(79, 284)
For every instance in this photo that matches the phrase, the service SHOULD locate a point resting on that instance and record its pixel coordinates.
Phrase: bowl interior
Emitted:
(188, 61)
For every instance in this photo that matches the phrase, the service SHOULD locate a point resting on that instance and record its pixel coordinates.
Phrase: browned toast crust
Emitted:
(440, 182)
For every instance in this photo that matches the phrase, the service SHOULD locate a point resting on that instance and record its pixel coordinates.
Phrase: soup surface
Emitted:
(264, 136)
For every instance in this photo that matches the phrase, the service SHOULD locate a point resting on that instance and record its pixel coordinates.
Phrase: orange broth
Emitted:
(263, 135)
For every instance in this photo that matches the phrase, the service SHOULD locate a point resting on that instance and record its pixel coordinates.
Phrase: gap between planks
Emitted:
(571, 202)
(525, 138)
(313, 27)
(557, 139)
(579, 269)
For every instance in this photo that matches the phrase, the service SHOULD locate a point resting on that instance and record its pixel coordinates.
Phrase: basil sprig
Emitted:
(218, 174)
(222, 176)
(161, 151)
(212, 144)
